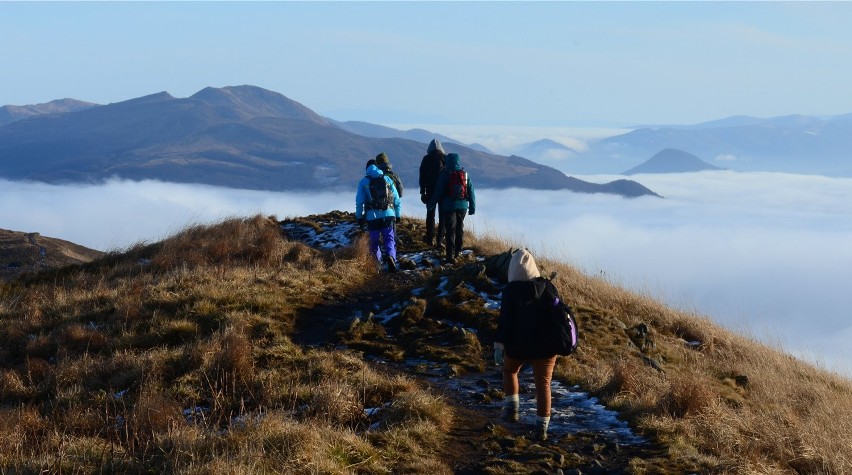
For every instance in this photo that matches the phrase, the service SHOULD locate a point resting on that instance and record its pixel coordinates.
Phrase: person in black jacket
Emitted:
(519, 336)
(430, 167)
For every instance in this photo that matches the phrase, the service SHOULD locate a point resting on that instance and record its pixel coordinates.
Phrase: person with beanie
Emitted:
(454, 191)
(377, 209)
(518, 338)
(430, 166)
(383, 162)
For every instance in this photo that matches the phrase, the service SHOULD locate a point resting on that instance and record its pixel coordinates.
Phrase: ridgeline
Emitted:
(264, 346)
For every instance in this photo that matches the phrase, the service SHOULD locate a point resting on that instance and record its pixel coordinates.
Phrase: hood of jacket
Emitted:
(452, 162)
(435, 144)
(374, 171)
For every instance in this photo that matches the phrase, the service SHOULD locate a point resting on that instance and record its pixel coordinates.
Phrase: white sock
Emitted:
(512, 401)
(543, 422)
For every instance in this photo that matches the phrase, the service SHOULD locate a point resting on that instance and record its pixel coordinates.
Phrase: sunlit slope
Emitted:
(255, 345)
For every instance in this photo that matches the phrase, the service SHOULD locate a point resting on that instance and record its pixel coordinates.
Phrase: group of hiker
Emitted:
(444, 185)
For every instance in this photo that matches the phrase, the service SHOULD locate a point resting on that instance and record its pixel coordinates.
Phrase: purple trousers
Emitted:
(388, 242)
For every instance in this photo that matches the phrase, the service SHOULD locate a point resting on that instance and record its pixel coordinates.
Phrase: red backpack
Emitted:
(457, 185)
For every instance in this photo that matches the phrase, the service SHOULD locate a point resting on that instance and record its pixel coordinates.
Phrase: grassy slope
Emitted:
(191, 355)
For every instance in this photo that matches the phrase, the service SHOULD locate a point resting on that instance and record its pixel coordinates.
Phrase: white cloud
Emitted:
(763, 253)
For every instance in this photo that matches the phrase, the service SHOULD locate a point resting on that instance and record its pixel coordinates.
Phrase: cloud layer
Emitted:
(762, 253)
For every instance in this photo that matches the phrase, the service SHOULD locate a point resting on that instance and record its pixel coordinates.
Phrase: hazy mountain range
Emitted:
(793, 144)
(238, 137)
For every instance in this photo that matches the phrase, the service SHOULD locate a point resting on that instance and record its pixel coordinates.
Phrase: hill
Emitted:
(22, 253)
(672, 161)
(258, 345)
(238, 137)
(9, 114)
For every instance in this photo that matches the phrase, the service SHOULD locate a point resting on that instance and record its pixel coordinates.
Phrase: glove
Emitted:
(472, 212)
(362, 223)
(424, 198)
(498, 353)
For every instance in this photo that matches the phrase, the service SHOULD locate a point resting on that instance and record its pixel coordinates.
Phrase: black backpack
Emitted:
(559, 334)
(381, 196)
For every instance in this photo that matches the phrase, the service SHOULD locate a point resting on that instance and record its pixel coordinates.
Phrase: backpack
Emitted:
(381, 196)
(457, 185)
(560, 334)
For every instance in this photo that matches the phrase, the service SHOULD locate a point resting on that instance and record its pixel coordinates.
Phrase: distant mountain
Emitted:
(671, 160)
(238, 137)
(10, 114)
(22, 253)
(794, 144)
(367, 129)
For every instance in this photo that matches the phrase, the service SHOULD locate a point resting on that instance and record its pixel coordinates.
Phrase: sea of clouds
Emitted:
(765, 254)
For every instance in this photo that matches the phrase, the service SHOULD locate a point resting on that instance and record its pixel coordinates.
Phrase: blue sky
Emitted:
(483, 63)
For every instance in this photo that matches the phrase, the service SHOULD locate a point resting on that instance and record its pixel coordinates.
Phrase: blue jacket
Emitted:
(362, 196)
(447, 203)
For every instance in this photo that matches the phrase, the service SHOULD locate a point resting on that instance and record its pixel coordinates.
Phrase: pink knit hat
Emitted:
(522, 266)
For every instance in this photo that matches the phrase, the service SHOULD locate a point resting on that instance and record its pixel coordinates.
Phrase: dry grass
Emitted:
(176, 357)
(730, 404)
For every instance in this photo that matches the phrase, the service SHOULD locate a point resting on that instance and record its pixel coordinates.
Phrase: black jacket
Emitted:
(524, 305)
(430, 167)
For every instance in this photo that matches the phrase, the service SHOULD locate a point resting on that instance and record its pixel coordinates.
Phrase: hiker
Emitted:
(384, 165)
(430, 167)
(454, 191)
(518, 339)
(377, 209)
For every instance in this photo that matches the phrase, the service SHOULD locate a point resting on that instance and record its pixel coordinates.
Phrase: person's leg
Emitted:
(430, 227)
(449, 220)
(439, 238)
(543, 374)
(389, 238)
(459, 238)
(511, 388)
(375, 250)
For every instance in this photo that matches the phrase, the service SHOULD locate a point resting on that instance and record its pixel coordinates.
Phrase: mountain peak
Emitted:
(252, 101)
(672, 160)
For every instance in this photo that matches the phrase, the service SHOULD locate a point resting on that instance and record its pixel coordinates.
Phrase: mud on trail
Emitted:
(435, 323)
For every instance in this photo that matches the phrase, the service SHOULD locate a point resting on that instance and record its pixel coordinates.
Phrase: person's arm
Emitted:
(471, 197)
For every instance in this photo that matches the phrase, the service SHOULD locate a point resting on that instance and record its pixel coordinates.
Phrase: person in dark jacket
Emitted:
(430, 168)
(518, 338)
(383, 162)
(453, 208)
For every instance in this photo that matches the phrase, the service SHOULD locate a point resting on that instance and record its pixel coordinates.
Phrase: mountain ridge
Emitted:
(240, 136)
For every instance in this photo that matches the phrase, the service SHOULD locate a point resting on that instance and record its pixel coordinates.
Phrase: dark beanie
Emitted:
(382, 159)
(370, 162)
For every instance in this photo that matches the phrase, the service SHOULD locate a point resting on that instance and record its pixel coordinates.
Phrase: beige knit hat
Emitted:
(522, 266)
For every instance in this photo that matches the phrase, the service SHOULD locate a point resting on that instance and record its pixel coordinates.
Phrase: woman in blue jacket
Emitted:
(454, 191)
(379, 213)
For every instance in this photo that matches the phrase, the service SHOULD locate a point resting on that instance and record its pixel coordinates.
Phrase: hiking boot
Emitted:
(449, 260)
(510, 414)
(392, 267)
(541, 424)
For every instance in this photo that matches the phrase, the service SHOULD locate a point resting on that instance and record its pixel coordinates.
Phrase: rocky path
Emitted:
(584, 436)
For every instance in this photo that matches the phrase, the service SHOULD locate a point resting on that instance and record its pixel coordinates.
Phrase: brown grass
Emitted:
(177, 356)
(732, 404)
